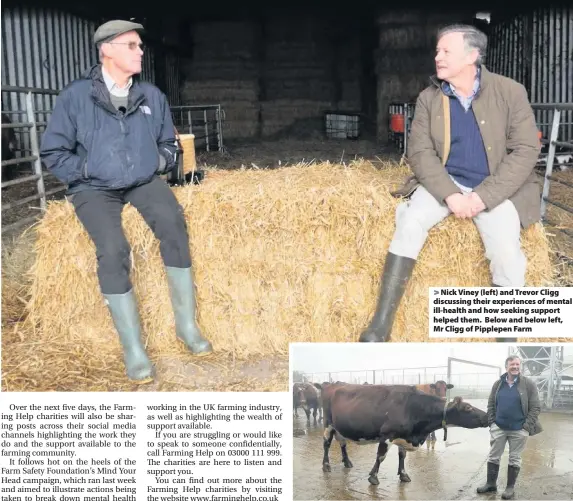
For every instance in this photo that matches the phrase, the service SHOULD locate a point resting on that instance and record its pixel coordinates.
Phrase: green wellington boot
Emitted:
(123, 309)
(182, 291)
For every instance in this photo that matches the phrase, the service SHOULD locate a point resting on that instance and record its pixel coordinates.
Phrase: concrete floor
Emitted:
(452, 471)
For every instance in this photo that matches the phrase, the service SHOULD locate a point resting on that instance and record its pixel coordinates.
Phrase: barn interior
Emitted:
(255, 82)
(276, 69)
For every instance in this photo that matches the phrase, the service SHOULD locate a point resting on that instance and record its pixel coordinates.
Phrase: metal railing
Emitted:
(469, 384)
(563, 398)
(205, 122)
(31, 126)
(410, 375)
(548, 177)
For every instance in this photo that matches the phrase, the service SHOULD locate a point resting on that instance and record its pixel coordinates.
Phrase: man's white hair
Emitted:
(473, 38)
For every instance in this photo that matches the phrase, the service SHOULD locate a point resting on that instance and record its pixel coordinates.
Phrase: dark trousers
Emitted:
(100, 213)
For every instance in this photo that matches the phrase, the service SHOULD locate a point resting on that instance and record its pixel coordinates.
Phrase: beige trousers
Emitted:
(498, 438)
(499, 229)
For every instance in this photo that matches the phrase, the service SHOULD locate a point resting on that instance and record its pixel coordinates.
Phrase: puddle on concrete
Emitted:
(453, 470)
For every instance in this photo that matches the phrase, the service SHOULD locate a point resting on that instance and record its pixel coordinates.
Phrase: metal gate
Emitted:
(546, 365)
(475, 383)
(478, 386)
(29, 122)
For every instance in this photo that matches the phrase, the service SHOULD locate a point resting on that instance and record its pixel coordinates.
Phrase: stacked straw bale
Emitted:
(225, 70)
(252, 71)
(17, 258)
(306, 72)
(405, 56)
(285, 255)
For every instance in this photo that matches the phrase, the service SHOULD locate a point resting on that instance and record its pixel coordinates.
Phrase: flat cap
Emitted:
(108, 31)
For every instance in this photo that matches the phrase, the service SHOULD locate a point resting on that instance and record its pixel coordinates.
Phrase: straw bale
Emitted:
(29, 364)
(296, 115)
(17, 257)
(398, 61)
(216, 63)
(218, 68)
(280, 29)
(299, 89)
(216, 85)
(305, 54)
(296, 69)
(202, 92)
(240, 129)
(350, 105)
(235, 111)
(351, 91)
(280, 255)
(439, 18)
(241, 33)
(561, 243)
(227, 55)
(294, 108)
(401, 88)
(411, 36)
(397, 17)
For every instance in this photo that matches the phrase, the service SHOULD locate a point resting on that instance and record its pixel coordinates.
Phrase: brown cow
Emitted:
(439, 388)
(385, 414)
(308, 397)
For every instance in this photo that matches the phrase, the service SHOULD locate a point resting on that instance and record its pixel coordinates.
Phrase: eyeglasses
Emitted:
(131, 45)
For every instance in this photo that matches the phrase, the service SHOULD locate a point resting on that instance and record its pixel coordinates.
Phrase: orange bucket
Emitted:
(397, 123)
(539, 135)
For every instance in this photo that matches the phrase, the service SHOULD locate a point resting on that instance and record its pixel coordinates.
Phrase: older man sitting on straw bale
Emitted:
(473, 147)
(109, 138)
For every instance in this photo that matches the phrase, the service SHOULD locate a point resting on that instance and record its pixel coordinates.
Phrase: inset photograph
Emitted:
(442, 421)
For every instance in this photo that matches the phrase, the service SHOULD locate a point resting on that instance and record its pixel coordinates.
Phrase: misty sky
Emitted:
(315, 357)
(336, 357)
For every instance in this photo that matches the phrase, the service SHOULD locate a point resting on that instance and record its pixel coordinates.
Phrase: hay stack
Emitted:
(286, 255)
(17, 258)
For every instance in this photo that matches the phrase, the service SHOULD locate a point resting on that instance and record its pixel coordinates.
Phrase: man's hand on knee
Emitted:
(460, 205)
(476, 203)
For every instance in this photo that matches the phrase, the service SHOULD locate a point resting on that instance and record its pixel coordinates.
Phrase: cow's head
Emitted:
(440, 387)
(460, 413)
(299, 397)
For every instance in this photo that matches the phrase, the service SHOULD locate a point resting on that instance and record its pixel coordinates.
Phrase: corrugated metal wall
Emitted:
(148, 66)
(173, 79)
(537, 51)
(47, 48)
(506, 48)
(552, 69)
(42, 48)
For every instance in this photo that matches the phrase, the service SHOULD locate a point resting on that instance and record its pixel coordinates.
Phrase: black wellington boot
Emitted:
(512, 473)
(395, 277)
(491, 483)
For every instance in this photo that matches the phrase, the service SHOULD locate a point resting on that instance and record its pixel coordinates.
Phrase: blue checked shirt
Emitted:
(466, 102)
